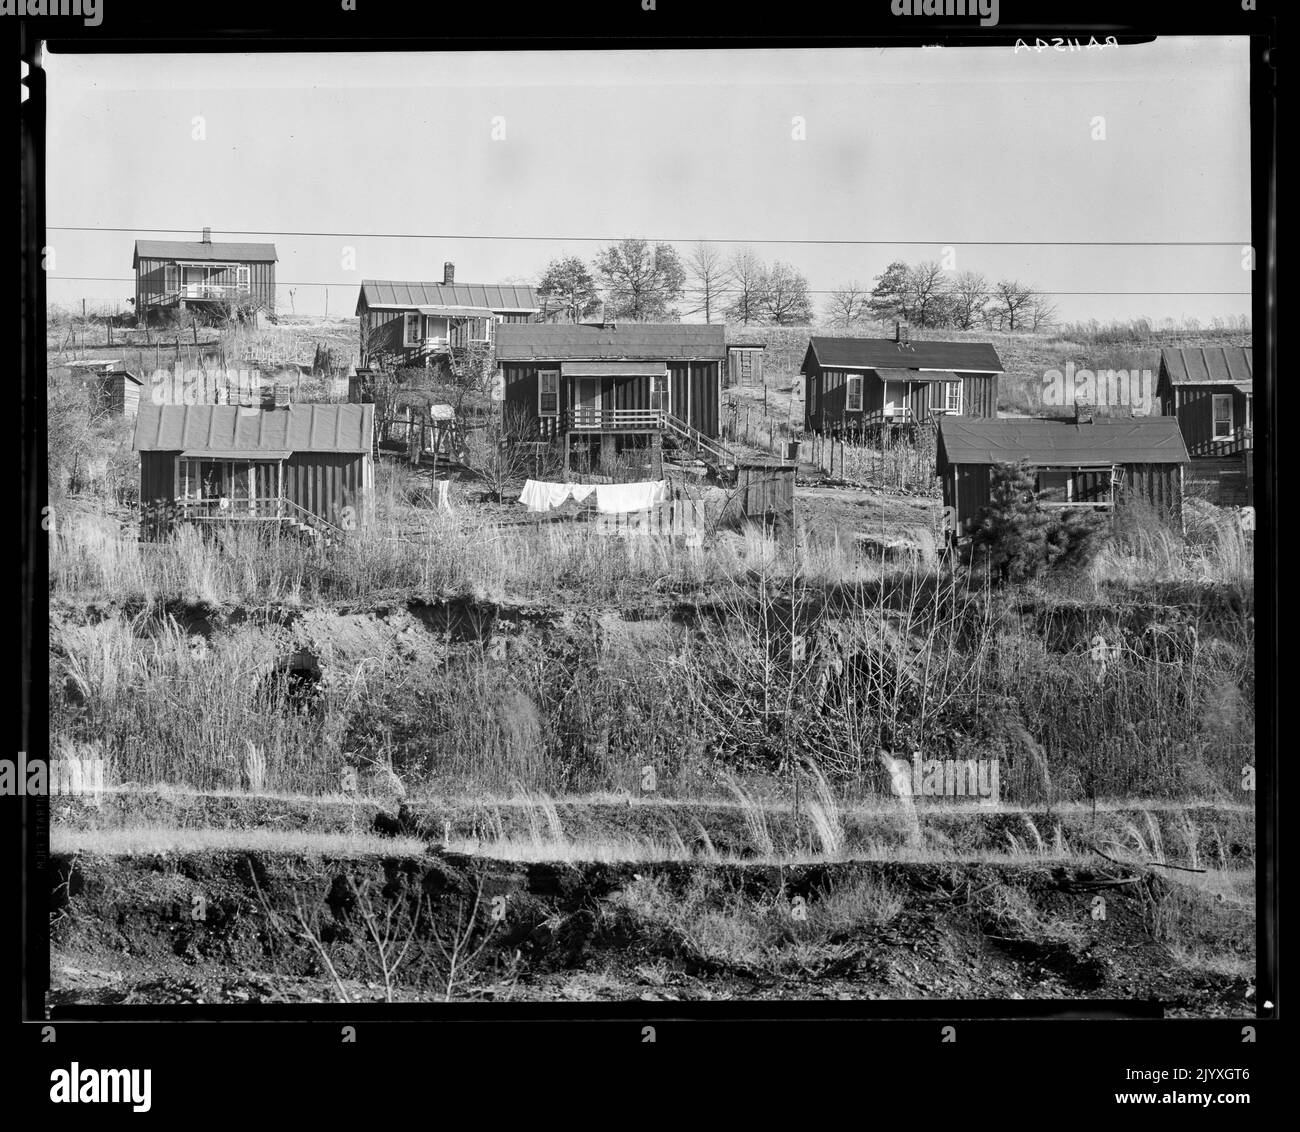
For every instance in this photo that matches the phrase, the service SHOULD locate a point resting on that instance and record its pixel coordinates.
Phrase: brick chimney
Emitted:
(448, 274)
(207, 235)
(902, 333)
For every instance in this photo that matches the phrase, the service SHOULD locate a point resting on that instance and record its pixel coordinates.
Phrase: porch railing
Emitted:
(258, 509)
(201, 291)
(1241, 440)
(575, 419)
(232, 509)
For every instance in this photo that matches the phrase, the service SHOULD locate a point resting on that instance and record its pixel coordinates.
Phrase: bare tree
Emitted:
(785, 299)
(969, 292)
(847, 304)
(708, 268)
(458, 949)
(1041, 313)
(1009, 305)
(497, 453)
(392, 944)
(928, 286)
(748, 279)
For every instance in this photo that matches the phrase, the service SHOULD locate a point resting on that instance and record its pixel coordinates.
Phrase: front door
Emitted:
(588, 415)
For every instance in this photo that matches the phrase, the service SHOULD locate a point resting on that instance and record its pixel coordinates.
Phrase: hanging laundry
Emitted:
(539, 495)
(616, 498)
(581, 491)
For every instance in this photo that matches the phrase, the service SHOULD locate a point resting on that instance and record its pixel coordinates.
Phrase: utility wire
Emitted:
(681, 239)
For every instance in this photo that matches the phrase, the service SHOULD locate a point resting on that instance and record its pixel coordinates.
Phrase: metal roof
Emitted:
(888, 374)
(1213, 365)
(629, 341)
(872, 353)
(612, 369)
(1060, 442)
(220, 430)
(458, 312)
(236, 454)
(412, 296)
(196, 250)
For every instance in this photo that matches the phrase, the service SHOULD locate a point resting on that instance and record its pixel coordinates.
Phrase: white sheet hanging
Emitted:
(617, 498)
(542, 495)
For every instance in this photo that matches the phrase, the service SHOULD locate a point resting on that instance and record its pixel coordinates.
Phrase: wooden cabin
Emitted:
(176, 275)
(304, 466)
(1082, 462)
(1210, 392)
(415, 324)
(602, 388)
(866, 384)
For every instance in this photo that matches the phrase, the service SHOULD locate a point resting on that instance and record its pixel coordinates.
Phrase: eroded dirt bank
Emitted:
(231, 927)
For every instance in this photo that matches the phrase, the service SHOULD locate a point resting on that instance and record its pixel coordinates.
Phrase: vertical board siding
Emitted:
(967, 488)
(151, 281)
(320, 482)
(326, 482)
(696, 380)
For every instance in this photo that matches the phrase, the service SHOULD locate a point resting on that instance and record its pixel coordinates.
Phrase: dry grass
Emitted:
(144, 840)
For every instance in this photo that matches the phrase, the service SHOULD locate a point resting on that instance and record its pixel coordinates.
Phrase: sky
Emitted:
(835, 161)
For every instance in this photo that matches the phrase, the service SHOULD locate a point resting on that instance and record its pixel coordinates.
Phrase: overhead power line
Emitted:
(679, 239)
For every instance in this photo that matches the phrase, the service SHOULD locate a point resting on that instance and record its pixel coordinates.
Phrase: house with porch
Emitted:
(179, 275)
(304, 467)
(869, 384)
(599, 389)
(1210, 392)
(415, 324)
(1077, 462)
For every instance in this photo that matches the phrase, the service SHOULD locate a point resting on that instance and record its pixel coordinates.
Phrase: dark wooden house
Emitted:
(1210, 391)
(414, 324)
(605, 387)
(173, 274)
(1082, 462)
(864, 384)
(304, 466)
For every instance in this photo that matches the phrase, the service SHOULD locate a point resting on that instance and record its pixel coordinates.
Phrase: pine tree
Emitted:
(1013, 527)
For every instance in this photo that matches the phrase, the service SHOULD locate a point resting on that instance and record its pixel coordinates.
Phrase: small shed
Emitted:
(745, 362)
(765, 491)
(1078, 462)
(112, 387)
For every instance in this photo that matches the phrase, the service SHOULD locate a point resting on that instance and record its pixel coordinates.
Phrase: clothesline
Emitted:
(611, 498)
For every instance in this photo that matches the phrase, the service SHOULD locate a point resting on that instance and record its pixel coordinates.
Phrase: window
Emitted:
(411, 330)
(853, 394)
(479, 329)
(1222, 416)
(660, 397)
(548, 392)
(945, 396)
(242, 278)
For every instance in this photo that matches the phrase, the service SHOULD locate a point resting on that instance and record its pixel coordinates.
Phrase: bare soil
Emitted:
(125, 932)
